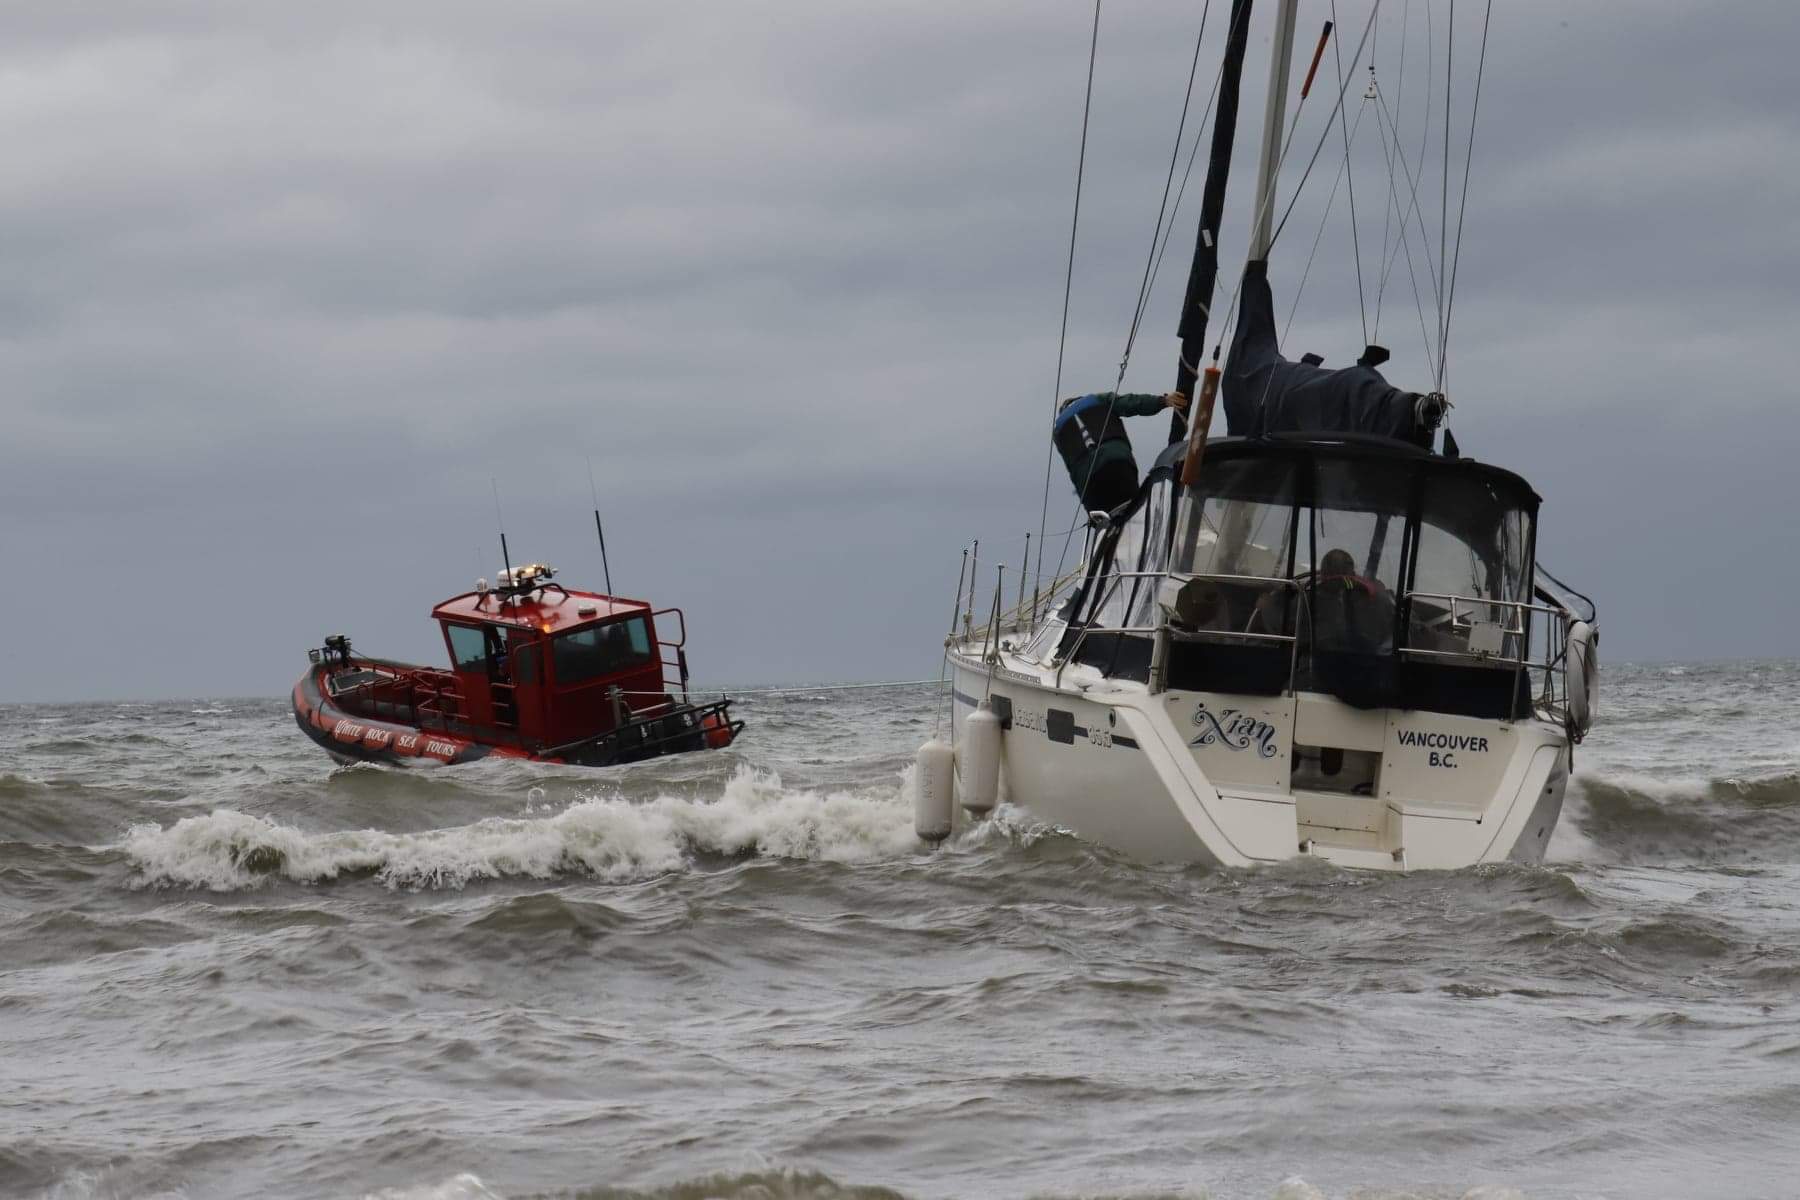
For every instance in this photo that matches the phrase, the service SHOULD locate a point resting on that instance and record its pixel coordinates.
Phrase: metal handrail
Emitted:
(1293, 639)
(1516, 628)
(1519, 608)
(680, 617)
(1550, 697)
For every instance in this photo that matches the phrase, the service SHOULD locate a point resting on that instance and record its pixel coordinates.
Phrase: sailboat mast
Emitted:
(1204, 274)
(1274, 117)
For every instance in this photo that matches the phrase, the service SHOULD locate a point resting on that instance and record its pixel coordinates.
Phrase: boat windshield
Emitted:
(601, 650)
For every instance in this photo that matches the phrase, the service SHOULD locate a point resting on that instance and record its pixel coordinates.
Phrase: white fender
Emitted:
(1581, 675)
(934, 790)
(979, 758)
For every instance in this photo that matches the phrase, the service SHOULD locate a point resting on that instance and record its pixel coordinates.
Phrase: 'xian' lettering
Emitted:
(1234, 730)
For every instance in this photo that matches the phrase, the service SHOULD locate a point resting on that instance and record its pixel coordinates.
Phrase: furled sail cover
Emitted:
(1265, 393)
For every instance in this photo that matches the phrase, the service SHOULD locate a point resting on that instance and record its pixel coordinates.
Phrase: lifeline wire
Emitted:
(797, 691)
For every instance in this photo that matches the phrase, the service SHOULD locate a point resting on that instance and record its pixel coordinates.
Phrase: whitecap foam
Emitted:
(107, 1183)
(609, 837)
(458, 1187)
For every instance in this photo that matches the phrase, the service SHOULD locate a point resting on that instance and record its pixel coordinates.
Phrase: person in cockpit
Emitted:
(1091, 439)
(1350, 611)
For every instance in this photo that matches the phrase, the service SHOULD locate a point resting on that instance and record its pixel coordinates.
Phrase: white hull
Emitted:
(1202, 777)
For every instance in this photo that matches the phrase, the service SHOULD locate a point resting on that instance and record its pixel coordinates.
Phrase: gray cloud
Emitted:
(289, 285)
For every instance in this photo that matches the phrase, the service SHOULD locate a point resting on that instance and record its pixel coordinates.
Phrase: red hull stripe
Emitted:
(379, 741)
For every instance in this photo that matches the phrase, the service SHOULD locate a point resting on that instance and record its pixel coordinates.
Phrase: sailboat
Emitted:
(1322, 635)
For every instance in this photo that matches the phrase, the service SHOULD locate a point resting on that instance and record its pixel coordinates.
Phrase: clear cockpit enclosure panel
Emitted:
(1473, 572)
(1358, 539)
(1139, 557)
(1237, 551)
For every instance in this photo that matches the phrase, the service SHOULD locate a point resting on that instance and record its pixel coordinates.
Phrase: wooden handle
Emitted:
(1318, 53)
(1199, 419)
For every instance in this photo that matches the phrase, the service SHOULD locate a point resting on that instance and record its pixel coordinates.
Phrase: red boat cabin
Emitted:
(536, 670)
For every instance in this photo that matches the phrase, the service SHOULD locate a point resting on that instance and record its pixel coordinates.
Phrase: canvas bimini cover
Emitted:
(1264, 393)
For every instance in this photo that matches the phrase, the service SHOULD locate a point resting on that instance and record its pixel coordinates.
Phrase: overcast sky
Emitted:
(287, 285)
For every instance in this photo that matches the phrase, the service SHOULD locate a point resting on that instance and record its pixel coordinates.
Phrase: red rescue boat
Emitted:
(536, 671)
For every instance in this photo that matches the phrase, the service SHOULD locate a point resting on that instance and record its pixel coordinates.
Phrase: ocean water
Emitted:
(229, 968)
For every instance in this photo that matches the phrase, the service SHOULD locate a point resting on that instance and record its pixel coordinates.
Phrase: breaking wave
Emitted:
(1636, 818)
(610, 838)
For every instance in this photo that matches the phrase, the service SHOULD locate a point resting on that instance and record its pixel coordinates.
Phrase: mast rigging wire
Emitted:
(1163, 215)
(1393, 130)
(1151, 259)
(1324, 133)
(1404, 242)
(1415, 210)
(1068, 286)
(1153, 262)
(1386, 216)
(1188, 171)
(1287, 144)
(1463, 204)
(1444, 199)
(1362, 307)
(1318, 237)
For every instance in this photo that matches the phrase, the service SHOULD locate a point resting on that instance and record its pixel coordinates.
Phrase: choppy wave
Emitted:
(229, 968)
(70, 811)
(773, 1184)
(752, 1185)
(1638, 818)
(610, 838)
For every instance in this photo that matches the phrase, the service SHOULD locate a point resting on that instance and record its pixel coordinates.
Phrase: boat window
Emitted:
(600, 650)
(1474, 546)
(1358, 529)
(1141, 552)
(468, 647)
(523, 655)
(1246, 530)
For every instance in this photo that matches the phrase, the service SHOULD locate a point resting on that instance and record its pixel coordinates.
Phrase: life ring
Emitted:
(1581, 675)
(718, 730)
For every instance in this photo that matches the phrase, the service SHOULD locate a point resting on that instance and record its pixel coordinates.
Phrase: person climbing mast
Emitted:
(1091, 439)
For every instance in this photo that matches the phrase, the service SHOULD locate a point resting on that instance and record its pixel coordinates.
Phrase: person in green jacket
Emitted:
(1091, 438)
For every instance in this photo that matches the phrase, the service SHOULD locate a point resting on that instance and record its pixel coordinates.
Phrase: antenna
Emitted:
(505, 558)
(598, 529)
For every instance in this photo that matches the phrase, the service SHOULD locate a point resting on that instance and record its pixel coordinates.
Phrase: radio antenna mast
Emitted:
(599, 530)
(505, 558)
